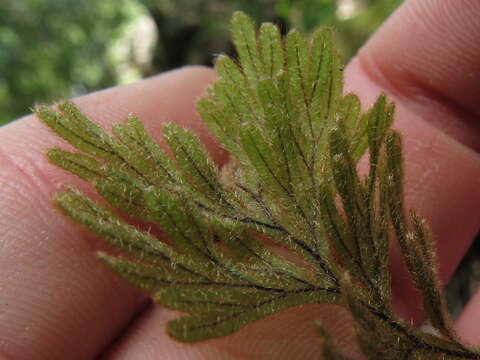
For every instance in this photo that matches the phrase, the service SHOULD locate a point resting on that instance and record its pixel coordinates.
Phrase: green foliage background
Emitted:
(51, 49)
(55, 48)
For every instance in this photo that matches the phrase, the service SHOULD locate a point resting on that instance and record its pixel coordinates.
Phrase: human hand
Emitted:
(57, 301)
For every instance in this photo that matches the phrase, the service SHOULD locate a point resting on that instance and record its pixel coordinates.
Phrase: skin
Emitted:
(57, 301)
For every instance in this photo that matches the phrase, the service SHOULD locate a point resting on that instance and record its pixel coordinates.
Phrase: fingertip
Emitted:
(441, 185)
(427, 54)
(270, 338)
(467, 324)
(53, 285)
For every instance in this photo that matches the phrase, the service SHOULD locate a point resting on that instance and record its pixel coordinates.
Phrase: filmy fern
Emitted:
(295, 142)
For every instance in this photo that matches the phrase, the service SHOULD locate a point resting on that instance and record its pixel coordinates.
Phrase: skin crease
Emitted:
(57, 301)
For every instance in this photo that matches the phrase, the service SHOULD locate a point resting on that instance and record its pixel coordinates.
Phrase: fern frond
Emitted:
(295, 142)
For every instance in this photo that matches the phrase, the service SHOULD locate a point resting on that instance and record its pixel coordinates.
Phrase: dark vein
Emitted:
(247, 45)
(420, 343)
(323, 265)
(244, 220)
(149, 250)
(292, 196)
(277, 180)
(209, 282)
(257, 305)
(271, 55)
(220, 126)
(251, 109)
(157, 164)
(82, 167)
(129, 202)
(210, 185)
(304, 92)
(354, 258)
(206, 251)
(155, 254)
(282, 143)
(109, 151)
(276, 270)
(233, 104)
(258, 200)
(293, 199)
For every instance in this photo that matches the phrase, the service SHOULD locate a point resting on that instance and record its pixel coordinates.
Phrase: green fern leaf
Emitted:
(295, 142)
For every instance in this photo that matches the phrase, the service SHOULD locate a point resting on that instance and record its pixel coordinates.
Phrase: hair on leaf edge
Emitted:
(295, 141)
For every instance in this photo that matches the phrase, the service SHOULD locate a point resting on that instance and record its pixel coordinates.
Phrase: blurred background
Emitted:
(51, 49)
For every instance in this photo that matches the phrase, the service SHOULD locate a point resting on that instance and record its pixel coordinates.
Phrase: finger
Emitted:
(442, 172)
(422, 58)
(467, 325)
(57, 301)
(288, 335)
(428, 56)
(428, 192)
